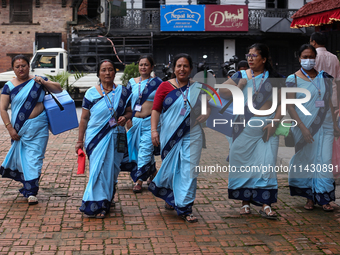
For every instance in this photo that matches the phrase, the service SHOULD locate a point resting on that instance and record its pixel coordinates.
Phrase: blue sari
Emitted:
(140, 147)
(181, 147)
(250, 158)
(307, 177)
(101, 149)
(24, 160)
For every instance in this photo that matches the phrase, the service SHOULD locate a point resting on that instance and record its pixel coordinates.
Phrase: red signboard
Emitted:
(226, 18)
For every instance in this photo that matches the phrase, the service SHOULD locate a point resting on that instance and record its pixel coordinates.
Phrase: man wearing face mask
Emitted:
(328, 62)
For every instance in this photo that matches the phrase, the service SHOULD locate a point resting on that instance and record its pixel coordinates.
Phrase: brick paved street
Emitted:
(140, 225)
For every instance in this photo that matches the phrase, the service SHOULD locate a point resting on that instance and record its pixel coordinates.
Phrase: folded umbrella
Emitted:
(81, 162)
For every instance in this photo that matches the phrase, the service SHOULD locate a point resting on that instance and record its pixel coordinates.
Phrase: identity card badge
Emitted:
(138, 107)
(112, 122)
(320, 103)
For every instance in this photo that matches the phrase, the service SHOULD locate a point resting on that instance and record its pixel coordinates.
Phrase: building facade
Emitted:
(136, 27)
(26, 23)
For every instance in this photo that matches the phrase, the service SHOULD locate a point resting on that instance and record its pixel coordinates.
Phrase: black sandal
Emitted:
(192, 218)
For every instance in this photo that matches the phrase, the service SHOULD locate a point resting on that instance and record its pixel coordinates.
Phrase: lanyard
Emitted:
(139, 88)
(318, 87)
(253, 78)
(109, 103)
(185, 96)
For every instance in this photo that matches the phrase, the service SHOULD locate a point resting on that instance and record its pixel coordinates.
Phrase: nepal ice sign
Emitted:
(182, 17)
(226, 18)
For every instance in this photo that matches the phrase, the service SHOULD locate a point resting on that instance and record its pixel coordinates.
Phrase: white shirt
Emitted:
(329, 63)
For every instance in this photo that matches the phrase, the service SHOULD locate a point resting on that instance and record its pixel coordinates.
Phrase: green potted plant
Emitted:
(130, 71)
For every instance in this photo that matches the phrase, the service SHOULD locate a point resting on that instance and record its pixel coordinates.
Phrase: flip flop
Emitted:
(329, 209)
(309, 205)
(267, 216)
(137, 188)
(246, 210)
(32, 200)
(101, 215)
(191, 218)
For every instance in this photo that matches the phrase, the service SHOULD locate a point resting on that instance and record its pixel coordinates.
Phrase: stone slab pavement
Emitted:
(139, 224)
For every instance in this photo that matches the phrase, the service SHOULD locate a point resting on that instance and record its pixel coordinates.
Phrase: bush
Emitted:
(130, 71)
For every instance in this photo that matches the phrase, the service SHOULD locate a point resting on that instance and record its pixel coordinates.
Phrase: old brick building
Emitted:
(26, 23)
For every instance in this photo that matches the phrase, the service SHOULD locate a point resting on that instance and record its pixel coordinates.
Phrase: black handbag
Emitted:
(289, 139)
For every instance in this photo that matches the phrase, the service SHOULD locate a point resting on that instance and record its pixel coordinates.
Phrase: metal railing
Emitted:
(149, 19)
(138, 19)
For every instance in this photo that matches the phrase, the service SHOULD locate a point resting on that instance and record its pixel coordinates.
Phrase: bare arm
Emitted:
(52, 86)
(226, 93)
(5, 117)
(155, 115)
(84, 119)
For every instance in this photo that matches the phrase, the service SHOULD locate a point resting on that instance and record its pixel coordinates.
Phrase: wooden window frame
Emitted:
(13, 17)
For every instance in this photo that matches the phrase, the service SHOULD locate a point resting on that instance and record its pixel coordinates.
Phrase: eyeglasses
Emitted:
(251, 56)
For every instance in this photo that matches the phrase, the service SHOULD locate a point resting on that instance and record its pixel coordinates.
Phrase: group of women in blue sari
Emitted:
(181, 136)
(254, 147)
(27, 127)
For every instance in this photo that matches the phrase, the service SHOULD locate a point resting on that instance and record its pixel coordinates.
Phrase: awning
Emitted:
(317, 19)
(278, 25)
(317, 13)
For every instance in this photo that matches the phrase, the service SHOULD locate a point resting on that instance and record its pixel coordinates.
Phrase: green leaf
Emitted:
(130, 71)
(62, 78)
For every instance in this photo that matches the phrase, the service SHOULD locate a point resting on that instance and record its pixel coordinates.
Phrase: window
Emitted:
(276, 4)
(21, 11)
(46, 60)
(207, 2)
(151, 4)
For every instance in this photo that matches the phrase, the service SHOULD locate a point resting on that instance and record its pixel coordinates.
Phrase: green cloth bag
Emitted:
(281, 130)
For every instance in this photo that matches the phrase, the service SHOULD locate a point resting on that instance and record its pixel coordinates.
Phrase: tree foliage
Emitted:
(130, 71)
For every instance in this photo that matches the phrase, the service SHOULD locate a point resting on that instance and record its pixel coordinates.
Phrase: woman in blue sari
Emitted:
(140, 147)
(28, 126)
(254, 149)
(310, 174)
(175, 105)
(105, 112)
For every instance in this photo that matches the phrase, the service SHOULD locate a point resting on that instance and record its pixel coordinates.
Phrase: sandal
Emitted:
(137, 188)
(191, 219)
(151, 178)
(246, 210)
(309, 205)
(168, 207)
(268, 215)
(101, 215)
(327, 208)
(32, 200)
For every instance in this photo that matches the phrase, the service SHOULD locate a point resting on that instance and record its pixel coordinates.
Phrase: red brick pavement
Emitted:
(140, 225)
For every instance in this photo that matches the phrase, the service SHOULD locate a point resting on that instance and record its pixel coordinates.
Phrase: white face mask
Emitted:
(308, 64)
